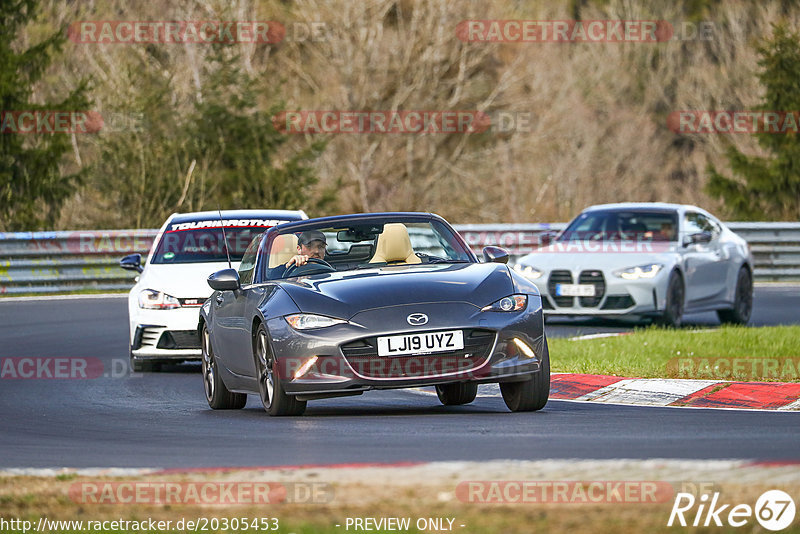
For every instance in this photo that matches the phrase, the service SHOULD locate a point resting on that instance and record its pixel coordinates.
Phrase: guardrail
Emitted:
(775, 245)
(55, 262)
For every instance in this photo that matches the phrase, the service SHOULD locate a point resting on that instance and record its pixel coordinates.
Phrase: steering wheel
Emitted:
(315, 265)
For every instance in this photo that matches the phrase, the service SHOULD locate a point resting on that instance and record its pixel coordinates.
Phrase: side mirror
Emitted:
(699, 237)
(224, 280)
(132, 262)
(545, 238)
(495, 255)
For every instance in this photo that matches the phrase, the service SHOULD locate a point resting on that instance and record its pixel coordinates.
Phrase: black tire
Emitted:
(455, 394)
(273, 397)
(217, 394)
(742, 301)
(531, 395)
(672, 316)
(143, 366)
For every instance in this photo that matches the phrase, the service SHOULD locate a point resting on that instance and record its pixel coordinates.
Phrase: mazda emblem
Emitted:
(416, 319)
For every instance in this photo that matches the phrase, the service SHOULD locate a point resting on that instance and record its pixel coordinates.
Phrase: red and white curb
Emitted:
(676, 392)
(669, 392)
(672, 392)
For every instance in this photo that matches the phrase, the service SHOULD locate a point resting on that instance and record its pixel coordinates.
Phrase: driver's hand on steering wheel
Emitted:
(297, 260)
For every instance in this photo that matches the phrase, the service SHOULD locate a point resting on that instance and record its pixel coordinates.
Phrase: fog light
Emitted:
(526, 350)
(305, 367)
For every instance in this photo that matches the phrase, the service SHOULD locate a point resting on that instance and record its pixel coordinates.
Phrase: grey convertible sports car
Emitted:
(398, 301)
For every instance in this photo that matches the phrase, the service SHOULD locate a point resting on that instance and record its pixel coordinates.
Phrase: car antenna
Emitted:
(224, 238)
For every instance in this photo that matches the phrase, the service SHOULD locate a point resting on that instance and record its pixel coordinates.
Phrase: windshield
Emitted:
(363, 245)
(623, 225)
(203, 245)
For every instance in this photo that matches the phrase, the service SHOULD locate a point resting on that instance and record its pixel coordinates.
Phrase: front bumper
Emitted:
(498, 347)
(166, 334)
(614, 296)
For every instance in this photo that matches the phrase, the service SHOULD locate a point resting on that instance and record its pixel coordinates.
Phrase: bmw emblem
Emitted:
(416, 319)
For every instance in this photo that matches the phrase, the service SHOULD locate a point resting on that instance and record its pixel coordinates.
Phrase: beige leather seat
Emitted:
(394, 246)
(283, 248)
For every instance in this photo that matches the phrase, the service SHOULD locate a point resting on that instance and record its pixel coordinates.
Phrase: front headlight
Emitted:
(510, 303)
(649, 270)
(527, 271)
(150, 299)
(306, 321)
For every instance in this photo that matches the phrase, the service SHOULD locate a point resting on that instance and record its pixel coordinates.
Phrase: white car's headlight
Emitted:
(150, 299)
(510, 303)
(527, 271)
(649, 270)
(306, 321)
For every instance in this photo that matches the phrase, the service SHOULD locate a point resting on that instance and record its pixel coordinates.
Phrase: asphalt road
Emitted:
(162, 419)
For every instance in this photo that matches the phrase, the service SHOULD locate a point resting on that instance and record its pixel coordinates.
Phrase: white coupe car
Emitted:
(643, 259)
(164, 305)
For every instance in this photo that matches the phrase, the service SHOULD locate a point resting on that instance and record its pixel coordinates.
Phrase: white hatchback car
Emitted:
(164, 305)
(643, 259)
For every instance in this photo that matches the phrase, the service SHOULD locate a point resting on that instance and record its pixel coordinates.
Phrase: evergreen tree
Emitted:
(219, 152)
(239, 141)
(770, 187)
(32, 183)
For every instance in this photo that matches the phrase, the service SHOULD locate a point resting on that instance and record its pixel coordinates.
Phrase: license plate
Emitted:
(420, 343)
(574, 290)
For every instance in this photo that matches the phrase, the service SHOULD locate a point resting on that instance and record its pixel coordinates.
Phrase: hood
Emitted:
(185, 280)
(347, 293)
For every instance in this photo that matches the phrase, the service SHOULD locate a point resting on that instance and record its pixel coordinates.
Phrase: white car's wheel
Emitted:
(143, 366)
(672, 315)
(742, 302)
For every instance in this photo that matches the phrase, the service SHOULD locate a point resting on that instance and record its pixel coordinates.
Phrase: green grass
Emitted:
(727, 353)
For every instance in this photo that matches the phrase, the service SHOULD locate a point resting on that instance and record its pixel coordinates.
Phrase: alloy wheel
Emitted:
(208, 366)
(266, 380)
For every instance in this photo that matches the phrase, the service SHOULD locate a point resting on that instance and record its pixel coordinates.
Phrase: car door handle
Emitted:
(219, 299)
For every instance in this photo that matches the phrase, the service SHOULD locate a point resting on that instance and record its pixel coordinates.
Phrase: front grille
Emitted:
(596, 279)
(560, 277)
(546, 303)
(618, 302)
(362, 355)
(192, 302)
(179, 339)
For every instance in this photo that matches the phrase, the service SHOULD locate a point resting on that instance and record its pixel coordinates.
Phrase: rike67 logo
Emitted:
(774, 510)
